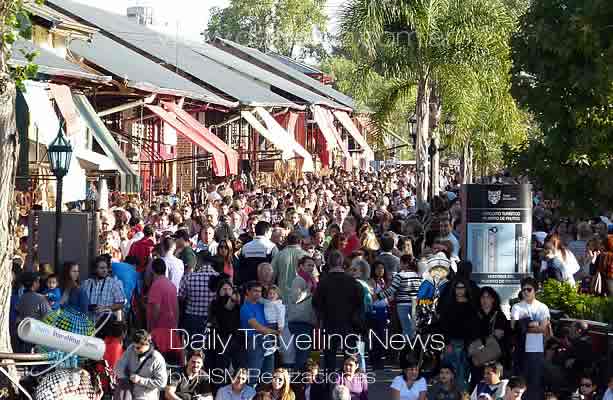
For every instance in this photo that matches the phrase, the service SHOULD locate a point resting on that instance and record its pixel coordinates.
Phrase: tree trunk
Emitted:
(422, 115)
(436, 107)
(467, 164)
(9, 150)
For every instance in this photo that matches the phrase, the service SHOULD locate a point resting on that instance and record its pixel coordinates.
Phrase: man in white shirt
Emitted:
(530, 317)
(174, 266)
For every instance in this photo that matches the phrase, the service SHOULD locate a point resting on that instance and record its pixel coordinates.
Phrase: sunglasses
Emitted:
(527, 289)
(586, 385)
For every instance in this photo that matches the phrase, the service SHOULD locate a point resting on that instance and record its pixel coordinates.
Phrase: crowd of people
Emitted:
(253, 292)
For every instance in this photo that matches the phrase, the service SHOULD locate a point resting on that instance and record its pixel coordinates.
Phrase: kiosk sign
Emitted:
(497, 234)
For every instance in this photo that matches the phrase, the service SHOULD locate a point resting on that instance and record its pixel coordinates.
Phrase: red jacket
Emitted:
(142, 249)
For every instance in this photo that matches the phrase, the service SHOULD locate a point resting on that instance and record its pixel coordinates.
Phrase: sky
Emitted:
(191, 15)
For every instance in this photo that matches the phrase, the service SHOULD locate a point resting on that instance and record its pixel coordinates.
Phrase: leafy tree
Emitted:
(563, 75)
(279, 25)
(14, 23)
(448, 57)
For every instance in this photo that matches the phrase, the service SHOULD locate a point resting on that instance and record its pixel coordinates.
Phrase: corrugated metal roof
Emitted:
(259, 74)
(165, 49)
(290, 73)
(51, 64)
(139, 71)
(297, 65)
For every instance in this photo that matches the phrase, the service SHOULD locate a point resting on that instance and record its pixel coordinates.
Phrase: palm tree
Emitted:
(450, 58)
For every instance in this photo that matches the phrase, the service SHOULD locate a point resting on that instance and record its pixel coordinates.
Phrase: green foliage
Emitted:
(461, 46)
(278, 25)
(562, 296)
(564, 76)
(14, 23)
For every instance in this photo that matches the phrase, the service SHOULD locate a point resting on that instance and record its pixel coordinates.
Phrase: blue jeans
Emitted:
(256, 362)
(300, 330)
(404, 315)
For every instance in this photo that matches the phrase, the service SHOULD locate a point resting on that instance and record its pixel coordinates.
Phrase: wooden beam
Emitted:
(127, 106)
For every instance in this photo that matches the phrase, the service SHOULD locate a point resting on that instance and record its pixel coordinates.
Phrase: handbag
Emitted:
(485, 350)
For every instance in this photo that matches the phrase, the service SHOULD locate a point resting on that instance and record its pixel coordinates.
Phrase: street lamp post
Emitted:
(60, 153)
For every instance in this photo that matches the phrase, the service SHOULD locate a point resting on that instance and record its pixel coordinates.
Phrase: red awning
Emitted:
(187, 119)
(194, 136)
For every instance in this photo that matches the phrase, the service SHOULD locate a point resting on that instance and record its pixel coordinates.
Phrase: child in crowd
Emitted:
(53, 292)
(445, 388)
(274, 311)
(114, 334)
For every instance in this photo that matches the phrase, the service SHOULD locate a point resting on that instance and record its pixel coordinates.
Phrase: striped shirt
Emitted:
(404, 287)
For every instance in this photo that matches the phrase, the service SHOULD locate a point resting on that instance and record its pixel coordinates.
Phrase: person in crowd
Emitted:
(492, 322)
(142, 248)
(391, 262)
(588, 389)
(31, 304)
(266, 275)
(554, 269)
(257, 251)
(225, 250)
(104, 292)
(285, 262)
(196, 292)
(530, 321)
(404, 288)
(378, 318)
(341, 392)
(114, 334)
(445, 388)
(350, 228)
(566, 257)
(53, 293)
(357, 273)
(191, 383)
(131, 281)
(516, 387)
(491, 385)
(300, 313)
(313, 387)
(604, 265)
(163, 310)
(608, 395)
(579, 246)
(280, 386)
(206, 241)
(409, 385)
(174, 266)
(184, 251)
(224, 318)
(142, 369)
(353, 379)
(238, 389)
(459, 325)
(253, 323)
(338, 302)
(274, 312)
(72, 295)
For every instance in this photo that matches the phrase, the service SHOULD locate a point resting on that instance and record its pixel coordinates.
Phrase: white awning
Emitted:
(278, 140)
(325, 122)
(42, 114)
(276, 128)
(346, 121)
